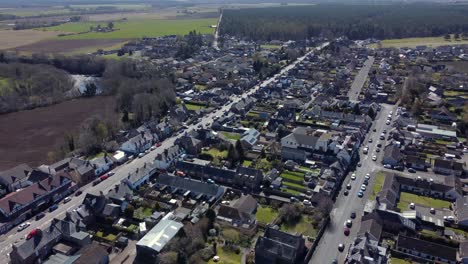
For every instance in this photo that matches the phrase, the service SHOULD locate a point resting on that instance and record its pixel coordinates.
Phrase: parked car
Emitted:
(360, 194)
(363, 188)
(33, 233)
(67, 199)
(349, 223)
(353, 176)
(353, 215)
(346, 192)
(78, 193)
(39, 216)
(374, 158)
(341, 247)
(53, 208)
(348, 186)
(411, 170)
(23, 226)
(346, 231)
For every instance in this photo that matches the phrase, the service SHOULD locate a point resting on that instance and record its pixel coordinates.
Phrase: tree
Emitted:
(290, 213)
(211, 215)
(240, 149)
(371, 113)
(110, 25)
(181, 257)
(325, 205)
(447, 36)
(233, 155)
(456, 36)
(90, 90)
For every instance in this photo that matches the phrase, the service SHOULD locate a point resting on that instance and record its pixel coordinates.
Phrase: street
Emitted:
(360, 79)
(327, 249)
(121, 172)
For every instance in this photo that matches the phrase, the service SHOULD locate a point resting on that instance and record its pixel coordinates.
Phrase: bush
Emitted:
(206, 253)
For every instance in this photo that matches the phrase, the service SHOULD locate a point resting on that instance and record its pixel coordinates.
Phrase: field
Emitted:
(233, 136)
(413, 42)
(28, 136)
(137, 28)
(226, 257)
(394, 260)
(379, 181)
(193, 107)
(302, 227)
(266, 214)
(407, 198)
(11, 39)
(216, 153)
(71, 46)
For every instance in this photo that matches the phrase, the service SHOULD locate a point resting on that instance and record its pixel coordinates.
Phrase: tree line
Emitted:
(358, 21)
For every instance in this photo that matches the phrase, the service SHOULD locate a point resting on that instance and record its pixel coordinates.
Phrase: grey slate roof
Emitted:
(190, 185)
(15, 174)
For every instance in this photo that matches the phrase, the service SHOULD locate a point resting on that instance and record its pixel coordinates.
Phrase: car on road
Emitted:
(111, 173)
(341, 247)
(349, 223)
(346, 231)
(353, 215)
(411, 170)
(67, 199)
(377, 150)
(23, 226)
(359, 164)
(388, 122)
(370, 140)
(346, 192)
(39, 216)
(379, 145)
(33, 233)
(53, 208)
(382, 137)
(365, 150)
(374, 158)
(353, 176)
(363, 188)
(360, 194)
(348, 186)
(374, 130)
(78, 193)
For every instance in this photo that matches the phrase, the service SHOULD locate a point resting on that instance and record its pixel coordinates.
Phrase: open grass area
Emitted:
(108, 237)
(246, 163)
(302, 227)
(379, 181)
(290, 191)
(226, 257)
(291, 175)
(268, 46)
(142, 212)
(394, 260)
(194, 107)
(4, 86)
(295, 185)
(233, 136)
(266, 214)
(216, 153)
(137, 28)
(413, 42)
(407, 198)
(458, 231)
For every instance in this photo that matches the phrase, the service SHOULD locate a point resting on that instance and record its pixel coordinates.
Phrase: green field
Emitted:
(137, 28)
(291, 175)
(379, 181)
(194, 107)
(216, 153)
(226, 257)
(394, 260)
(407, 198)
(413, 42)
(246, 163)
(4, 86)
(233, 136)
(266, 214)
(302, 227)
(295, 185)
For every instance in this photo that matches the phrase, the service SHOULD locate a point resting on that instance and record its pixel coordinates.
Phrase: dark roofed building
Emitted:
(461, 210)
(241, 213)
(209, 190)
(426, 250)
(279, 247)
(392, 155)
(449, 167)
(12, 179)
(371, 228)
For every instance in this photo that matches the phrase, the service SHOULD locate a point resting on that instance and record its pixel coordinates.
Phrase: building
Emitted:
(448, 167)
(14, 178)
(461, 210)
(392, 155)
(425, 250)
(157, 238)
(168, 158)
(249, 138)
(139, 143)
(190, 144)
(101, 164)
(241, 213)
(365, 249)
(279, 247)
(196, 188)
(140, 176)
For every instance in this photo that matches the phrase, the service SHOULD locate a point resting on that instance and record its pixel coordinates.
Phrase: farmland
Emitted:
(11, 39)
(137, 28)
(413, 42)
(38, 131)
(67, 46)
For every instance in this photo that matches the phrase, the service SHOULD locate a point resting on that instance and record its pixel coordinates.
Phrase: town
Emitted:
(326, 150)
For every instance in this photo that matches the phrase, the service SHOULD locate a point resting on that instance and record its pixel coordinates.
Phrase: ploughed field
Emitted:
(28, 136)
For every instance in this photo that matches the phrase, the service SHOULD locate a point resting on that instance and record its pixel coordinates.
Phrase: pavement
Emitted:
(327, 249)
(216, 35)
(360, 79)
(7, 240)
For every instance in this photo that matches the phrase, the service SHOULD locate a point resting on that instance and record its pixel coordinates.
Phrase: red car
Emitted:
(158, 144)
(33, 233)
(346, 231)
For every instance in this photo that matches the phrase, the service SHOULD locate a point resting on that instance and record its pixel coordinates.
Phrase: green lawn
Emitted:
(407, 198)
(458, 231)
(137, 28)
(216, 153)
(290, 191)
(413, 42)
(394, 260)
(295, 185)
(142, 212)
(379, 181)
(246, 163)
(268, 46)
(290, 175)
(233, 136)
(108, 237)
(193, 107)
(226, 257)
(266, 214)
(4, 86)
(302, 227)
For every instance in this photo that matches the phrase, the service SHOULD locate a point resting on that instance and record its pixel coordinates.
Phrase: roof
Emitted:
(275, 245)
(190, 185)
(372, 227)
(160, 234)
(15, 174)
(392, 151)
(246, 203)
(91, 254)
(462, 208)
(426, 247)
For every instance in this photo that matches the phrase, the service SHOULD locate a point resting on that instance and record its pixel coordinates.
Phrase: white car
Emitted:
(374, 158)
(353, 176)
(23, 226)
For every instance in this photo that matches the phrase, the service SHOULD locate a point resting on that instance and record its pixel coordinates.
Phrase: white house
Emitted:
(101, 165)
(139, 143)
(168, 158)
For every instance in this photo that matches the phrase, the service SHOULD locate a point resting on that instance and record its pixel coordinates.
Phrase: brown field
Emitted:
(14, 38)
(70, 46)
(27, 136)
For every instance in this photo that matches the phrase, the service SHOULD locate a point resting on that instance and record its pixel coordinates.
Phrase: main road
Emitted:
(121, 172)
(327, 250)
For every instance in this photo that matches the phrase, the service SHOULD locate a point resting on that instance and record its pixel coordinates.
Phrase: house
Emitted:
(371, 228)
(14, 178)
(26, 200)
(190, 144)
(448, 167)
(241, 213)
(140, 176)
(249, 138)
(81, 171)
(196, 188)
(90, 254)
(276, 246)
(243, 106)
(442, 114)
(389, 193)
(139, 143)
(425, 250)
(461, 210)
(391, 222)
(158, 237)
(365, 249)
(308, 139)
(102, 164)
(392, 155)
(416, 162)
(431, 132)
(168, 158)
(179, 112)
(464, 252)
